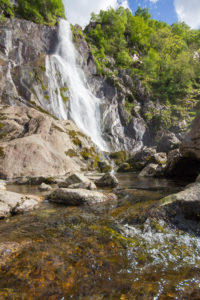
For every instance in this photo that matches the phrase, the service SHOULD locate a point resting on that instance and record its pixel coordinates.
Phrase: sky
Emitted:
(170, 11)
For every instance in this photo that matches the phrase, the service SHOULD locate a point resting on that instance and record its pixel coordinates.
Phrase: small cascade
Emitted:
(84, 107)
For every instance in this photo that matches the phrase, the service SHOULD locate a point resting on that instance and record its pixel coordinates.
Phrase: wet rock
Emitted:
(168, 142)
(141, 158)
(2, 185)
(104, 166)
(125, 167)
(76, 197)
(76, 179)
(151, 170)
(13, 203)
(182, 209)
(107, 180)
(83, 185)
(159, 158)
(45, 187)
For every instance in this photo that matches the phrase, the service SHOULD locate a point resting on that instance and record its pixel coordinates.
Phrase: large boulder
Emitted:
(151, 170)
(33, 144)
(168, 142)
(182, 209)
(107, 180)
(179, 166)
(14, 203)
(190, 147)
(76, 197)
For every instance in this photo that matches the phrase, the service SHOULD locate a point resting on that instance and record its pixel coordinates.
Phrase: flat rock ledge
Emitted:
(76, 197)
(14, 203)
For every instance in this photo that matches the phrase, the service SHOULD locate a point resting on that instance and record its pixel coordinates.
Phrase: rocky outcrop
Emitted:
(13, 203)
(34, 144)
(76, 197)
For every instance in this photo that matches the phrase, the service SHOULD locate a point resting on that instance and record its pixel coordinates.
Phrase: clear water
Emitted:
(96, 252)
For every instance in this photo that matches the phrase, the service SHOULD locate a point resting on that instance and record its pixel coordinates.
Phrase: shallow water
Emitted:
(105, 251)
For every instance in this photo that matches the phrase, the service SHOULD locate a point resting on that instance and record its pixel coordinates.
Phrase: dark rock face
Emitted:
(190, 147)
(179, 166)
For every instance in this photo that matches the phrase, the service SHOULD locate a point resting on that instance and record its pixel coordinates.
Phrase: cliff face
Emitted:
(30, 75)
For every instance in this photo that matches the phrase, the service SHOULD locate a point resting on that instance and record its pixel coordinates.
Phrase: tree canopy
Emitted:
(168, 56)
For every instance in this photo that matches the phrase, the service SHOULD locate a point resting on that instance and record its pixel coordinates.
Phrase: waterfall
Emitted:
(84, 107)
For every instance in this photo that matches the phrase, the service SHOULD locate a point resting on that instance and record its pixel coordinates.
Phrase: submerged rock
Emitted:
(76, 197)
(107, 180)
(13, 203)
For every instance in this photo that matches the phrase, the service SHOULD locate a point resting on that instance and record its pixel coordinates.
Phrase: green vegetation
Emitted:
(39, 11)
(166, 59)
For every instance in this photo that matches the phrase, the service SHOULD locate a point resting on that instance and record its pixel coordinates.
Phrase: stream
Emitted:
(104, 251)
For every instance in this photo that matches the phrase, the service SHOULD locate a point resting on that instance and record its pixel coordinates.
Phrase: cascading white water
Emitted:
(84, 107)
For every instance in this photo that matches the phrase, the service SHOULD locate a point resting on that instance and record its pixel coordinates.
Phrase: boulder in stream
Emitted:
(76, 197)
(77, 180)
(45, 187)
(14, 203)
(107, 180)
(181, 209)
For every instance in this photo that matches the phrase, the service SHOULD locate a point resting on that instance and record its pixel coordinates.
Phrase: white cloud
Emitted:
(79, 11)
(188, 11)
(153, 1)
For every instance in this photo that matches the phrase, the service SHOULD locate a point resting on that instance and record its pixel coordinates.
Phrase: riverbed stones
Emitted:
(107, 180)
(76, 197)
(14, 203)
